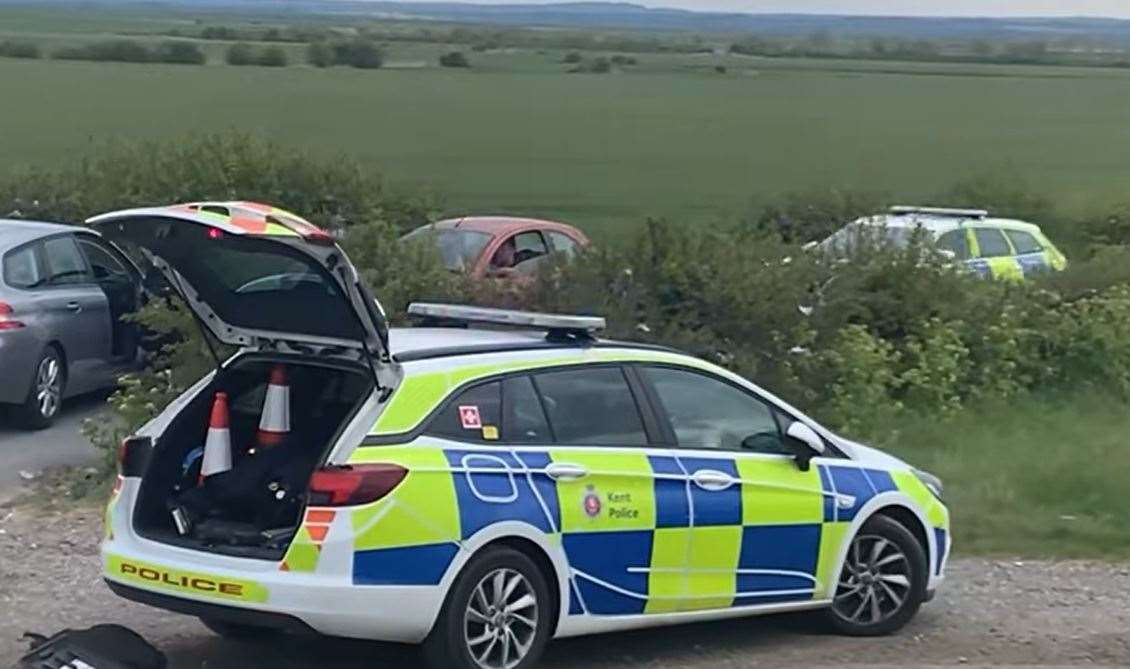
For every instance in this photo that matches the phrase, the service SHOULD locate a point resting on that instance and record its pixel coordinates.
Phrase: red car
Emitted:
(499, 246)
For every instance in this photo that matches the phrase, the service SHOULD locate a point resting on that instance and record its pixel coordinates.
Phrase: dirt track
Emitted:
(991, 612)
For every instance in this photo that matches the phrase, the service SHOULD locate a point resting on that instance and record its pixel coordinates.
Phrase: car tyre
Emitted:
(238, 631)
(497, 615)
(882, 582)
(45, 394)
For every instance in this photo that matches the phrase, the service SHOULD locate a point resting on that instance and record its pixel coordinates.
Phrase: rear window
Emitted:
(251, 283)
(458, 249)
(591, 406)
(22, 268)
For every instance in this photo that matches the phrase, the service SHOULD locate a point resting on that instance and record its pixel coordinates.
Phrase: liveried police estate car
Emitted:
(480, 491)
(990, 247)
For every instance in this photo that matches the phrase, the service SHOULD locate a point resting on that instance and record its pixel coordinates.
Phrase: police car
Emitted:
(486, 482)
(996, 248)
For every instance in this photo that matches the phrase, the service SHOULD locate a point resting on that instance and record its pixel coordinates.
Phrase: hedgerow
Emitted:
(858, 344)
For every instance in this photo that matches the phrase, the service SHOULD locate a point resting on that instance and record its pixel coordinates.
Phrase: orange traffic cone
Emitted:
(274, 424)
(217, 447)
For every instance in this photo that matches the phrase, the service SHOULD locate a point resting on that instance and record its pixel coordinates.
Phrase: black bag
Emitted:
(101, 647)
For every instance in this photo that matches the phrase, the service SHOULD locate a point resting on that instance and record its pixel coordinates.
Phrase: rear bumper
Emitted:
(19, 350)
(228, 614)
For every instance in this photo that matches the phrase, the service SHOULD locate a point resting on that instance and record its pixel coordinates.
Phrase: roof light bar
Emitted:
(518, 319)
(940, 211)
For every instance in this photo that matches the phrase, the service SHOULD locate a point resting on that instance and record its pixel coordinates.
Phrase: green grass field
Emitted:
(1040, 478)
(668, 138)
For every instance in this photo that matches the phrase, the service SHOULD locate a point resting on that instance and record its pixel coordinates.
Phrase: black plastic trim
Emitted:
(219, 612)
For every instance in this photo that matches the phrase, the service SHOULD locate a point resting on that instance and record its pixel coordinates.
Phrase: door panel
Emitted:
(608, 517)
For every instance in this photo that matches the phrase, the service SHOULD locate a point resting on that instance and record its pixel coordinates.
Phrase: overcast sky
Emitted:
(1118, 8)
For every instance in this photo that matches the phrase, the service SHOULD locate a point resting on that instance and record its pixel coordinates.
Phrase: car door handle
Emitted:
(565, 471)
(74, 306)
(713, 480)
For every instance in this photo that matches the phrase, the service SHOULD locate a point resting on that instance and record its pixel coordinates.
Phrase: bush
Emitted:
(358, 53)
(572, 58)
(333, 192)
(122, 50)
(806, 216)
(130, 51)
(19, 49)
(454, 59)
(273, 56)
(320, 54)
(240, 53)
(600, 66)
(623, 61)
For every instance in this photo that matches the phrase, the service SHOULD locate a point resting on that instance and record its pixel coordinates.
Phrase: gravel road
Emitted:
(991, 612)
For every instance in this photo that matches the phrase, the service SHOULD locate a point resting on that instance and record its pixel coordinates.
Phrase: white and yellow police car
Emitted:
(476, 490)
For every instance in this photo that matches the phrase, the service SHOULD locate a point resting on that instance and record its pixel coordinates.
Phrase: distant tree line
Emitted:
(1018, 52)
(131, 51)
(19, 49)
(359, 53)
(242, 53)
(478, 38)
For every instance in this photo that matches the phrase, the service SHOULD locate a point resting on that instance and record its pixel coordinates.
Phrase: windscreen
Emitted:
(458, 249)
(857, 237)
(250, 283)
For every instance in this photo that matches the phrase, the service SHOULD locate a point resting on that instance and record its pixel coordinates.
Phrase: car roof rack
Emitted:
(558, 327)
(940, 211)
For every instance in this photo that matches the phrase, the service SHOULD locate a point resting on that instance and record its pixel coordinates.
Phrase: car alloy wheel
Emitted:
(501, 620)
(875, 583)
(49, 386)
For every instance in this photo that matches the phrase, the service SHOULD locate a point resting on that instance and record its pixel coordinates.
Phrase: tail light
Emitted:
(6, 320)
(133, 455)
(351, 485)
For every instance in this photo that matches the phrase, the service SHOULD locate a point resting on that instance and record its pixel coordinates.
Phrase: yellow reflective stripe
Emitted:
(712, 572)
(421, 510)
(623, 484)
(192, 583)
(667, 582)
(798, 500)
(909, 485)
(276, 230)
(302, 555)
(832, 538)
(1005, 268)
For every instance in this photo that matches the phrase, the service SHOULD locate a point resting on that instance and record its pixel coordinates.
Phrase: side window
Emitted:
(64, 262)
(563, 244)
(956, 241)
(523, 419)
(705, 412)
(473, 415)
(22, 267)
(528, 246)
(102, 261)
(992, 243)
(1024, 242)
(591, 406)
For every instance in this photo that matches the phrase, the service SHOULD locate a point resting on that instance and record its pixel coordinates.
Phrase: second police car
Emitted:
(480, 491)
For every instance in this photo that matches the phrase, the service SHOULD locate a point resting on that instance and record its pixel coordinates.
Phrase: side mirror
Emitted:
(804, 443)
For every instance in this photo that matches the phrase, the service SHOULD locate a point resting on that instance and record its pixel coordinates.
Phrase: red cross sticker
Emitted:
(469, 416)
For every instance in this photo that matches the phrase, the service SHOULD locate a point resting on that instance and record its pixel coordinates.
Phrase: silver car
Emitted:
(63, 292)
